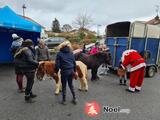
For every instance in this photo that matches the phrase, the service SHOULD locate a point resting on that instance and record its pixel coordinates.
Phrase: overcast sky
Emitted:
(102, 11)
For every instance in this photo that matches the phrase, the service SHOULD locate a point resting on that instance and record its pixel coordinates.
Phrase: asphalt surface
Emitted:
(107, 92)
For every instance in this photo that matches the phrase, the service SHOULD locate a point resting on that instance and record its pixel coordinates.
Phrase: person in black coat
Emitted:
(65, 61)
(25, 63)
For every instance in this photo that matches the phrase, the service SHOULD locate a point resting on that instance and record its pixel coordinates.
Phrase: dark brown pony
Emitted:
(94, 61)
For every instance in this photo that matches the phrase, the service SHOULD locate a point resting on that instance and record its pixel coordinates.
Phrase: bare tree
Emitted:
(82, 21)
(66, 28)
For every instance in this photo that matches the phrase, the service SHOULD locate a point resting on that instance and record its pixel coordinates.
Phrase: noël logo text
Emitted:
(111, 109)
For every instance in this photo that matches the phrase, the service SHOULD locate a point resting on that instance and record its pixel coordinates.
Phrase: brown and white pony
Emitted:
(48, 68)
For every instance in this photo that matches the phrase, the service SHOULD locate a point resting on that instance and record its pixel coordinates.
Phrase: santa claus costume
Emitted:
(135, 64)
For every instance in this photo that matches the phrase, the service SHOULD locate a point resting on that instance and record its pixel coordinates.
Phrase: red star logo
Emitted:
(92, 109)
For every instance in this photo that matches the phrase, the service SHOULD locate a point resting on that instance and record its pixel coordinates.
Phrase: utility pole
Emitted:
(24, 7)
(98, 25)
(157, 9)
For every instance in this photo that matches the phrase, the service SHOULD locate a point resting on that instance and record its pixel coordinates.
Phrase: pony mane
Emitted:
(49, 67)
(99, 54)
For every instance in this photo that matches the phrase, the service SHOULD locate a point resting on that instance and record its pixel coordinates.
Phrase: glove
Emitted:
(56, 70)
(75, 75)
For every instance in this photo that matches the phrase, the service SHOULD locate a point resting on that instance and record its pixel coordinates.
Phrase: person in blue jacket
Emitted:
(65, 61)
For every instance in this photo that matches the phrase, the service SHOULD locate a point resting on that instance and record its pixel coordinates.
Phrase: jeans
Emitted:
(30, 82)
(19, 79)
(64, 79)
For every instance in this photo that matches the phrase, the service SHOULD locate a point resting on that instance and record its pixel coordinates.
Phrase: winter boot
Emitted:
(125, 82)
(120, 82)
(33, 95)
(74, 101)
(63, 102)
(28, 99)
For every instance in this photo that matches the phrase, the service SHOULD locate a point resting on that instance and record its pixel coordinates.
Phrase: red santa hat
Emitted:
(126, 53)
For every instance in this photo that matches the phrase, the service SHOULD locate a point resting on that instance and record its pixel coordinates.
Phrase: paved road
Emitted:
(107, 92)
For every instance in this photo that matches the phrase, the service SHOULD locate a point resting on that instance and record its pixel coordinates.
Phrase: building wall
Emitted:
(6, 41)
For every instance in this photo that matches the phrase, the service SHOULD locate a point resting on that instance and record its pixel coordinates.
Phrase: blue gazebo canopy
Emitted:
(9, 19)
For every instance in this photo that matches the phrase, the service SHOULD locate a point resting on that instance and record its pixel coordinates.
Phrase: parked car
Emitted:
(53, 42)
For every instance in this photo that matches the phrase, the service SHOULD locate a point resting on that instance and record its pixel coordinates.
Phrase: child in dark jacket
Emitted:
(65, 61)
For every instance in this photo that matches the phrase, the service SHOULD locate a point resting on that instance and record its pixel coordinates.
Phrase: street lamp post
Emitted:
(157, 9)
(98, 25)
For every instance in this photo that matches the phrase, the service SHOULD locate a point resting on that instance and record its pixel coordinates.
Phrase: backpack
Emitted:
(15, 45)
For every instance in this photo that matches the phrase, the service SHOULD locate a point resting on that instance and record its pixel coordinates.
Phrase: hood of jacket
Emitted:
(65, 49)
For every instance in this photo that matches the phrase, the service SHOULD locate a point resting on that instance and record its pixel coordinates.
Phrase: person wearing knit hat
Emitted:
(15, 36)
(27, 43)
(25, 63)
(16, 44)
